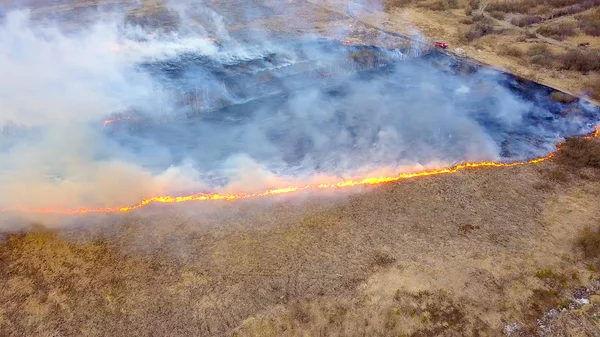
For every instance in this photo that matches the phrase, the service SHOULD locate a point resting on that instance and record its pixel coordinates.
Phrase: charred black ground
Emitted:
(428, 107)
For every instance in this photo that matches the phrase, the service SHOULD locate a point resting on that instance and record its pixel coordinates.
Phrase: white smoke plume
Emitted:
(57, 90)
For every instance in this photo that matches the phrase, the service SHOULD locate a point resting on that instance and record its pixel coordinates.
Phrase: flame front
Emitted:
(110, 121)
(284, 190)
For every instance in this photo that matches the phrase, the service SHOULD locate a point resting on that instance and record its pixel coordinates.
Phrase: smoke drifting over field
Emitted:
(197, 115)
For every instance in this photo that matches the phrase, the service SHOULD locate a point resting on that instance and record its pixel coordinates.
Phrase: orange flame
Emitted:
(110, 121)
(284, 190)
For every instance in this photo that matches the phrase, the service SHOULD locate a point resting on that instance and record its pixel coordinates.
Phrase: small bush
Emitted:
(507, 7)
(580, 60)
(540, 55)
(389, 5)
(526, 20)
(453, 3)
(477, 17)
(588, 241)
(468, 11)
(467, 228)
(539, 49)
(439, 5)
(466, 21)
(383, 259)
(561, 97)
(474, 3)
(531, 35)
(557, 176)
(544, 186)
(498, 15)
(364, 58)
(590, 24)
(478, 30)
(511, 51)
(300, 312)
(558, 32)
(580, 152)
(593, 88)
(560, 3)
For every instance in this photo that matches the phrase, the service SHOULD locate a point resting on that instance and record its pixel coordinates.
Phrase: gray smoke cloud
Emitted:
(230, 116)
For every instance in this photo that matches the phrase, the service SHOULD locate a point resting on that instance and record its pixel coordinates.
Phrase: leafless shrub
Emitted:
(580, 152)
(511, 51)
(498, 15)
(560, 3)
(588, 241)
(593, 88)
(539, 54)
(383, 259)
(547, 9)
(467, 228)
(300, 312)
(562, 97)
(389, 5)
(507, 7)
(474, 3)
(481, 28)
(557, 176)
(539, 49)
(590, 24)
(438, 5)
(558, 32)
(531, 35)
(580, 60)
(477, 17)
(466, 21)
(544, 186)
(526, 20)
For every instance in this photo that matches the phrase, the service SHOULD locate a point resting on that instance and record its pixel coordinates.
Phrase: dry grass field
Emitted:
(555, 42)
(466, 254)
(487, 252)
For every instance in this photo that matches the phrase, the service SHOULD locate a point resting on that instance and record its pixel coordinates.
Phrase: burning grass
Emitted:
(295, 269)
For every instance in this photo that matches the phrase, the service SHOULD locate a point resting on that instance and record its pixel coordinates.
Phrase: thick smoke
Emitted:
(231, 115)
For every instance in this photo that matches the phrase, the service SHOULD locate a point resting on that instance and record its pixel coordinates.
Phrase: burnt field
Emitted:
(319, 106)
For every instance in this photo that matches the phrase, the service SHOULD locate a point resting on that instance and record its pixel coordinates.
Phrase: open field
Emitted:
(487, 252)
(459, 255)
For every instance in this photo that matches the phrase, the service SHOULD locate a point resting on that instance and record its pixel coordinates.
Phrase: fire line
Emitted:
(110, 121)
(284, 190)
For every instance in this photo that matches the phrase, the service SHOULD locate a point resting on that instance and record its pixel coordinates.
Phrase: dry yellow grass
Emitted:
(456, 255)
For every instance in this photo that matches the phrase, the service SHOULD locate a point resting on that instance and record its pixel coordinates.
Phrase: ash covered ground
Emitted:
(321, 107)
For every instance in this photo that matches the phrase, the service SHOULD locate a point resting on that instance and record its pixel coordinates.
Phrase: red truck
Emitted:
(441, 44)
